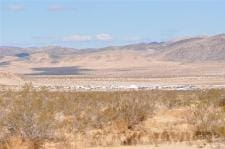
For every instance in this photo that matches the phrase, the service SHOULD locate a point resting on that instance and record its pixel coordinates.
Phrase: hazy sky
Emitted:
(97, 23)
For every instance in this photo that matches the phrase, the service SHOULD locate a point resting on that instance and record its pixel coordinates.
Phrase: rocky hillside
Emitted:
(196, 49)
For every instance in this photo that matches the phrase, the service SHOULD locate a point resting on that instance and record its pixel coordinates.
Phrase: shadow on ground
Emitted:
(73, 70)
(4, 64)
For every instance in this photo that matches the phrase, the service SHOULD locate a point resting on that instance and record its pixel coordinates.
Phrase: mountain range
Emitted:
(195, 56)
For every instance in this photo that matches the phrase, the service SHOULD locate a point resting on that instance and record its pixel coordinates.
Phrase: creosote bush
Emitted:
(38, 114)
(46, 115)
(29, 115)
(208, 114)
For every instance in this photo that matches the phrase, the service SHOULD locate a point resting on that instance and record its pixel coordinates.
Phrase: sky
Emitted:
(99, 23)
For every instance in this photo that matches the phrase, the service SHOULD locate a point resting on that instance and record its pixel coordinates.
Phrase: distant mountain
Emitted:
(51, 50)
(196, 49)
(188, 50)
(9, 51)
(185, 50)
(180, 56)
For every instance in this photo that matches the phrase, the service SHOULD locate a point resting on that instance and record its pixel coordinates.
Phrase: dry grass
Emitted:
(209, 114)
(19, 143)
(31, 118)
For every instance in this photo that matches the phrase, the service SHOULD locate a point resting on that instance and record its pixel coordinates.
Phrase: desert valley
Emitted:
(147, 95)
(187, 63)
(112, 74)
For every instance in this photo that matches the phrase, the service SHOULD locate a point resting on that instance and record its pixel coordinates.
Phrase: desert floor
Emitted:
(195, 145)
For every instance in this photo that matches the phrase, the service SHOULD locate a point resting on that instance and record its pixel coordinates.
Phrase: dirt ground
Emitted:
(197, 145)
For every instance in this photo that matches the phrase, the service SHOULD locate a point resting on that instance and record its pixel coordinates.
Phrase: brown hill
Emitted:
(198, 55)
(196, 49)
(210, 48)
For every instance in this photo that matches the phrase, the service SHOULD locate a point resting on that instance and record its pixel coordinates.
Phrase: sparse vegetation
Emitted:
(32, 118)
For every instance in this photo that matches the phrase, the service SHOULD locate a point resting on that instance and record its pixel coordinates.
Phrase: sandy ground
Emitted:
(71, 82)
(169, 146)
(87, 83)
(107, 69)
(114, 64)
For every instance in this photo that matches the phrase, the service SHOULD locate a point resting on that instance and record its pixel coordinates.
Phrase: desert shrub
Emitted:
(34, 115)
(220, 130)
(19, 143)
(207, 115)
(131, 109)
(204, 116)
(29, 115)
(213, 96)
(173, 99)
(96, 110)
